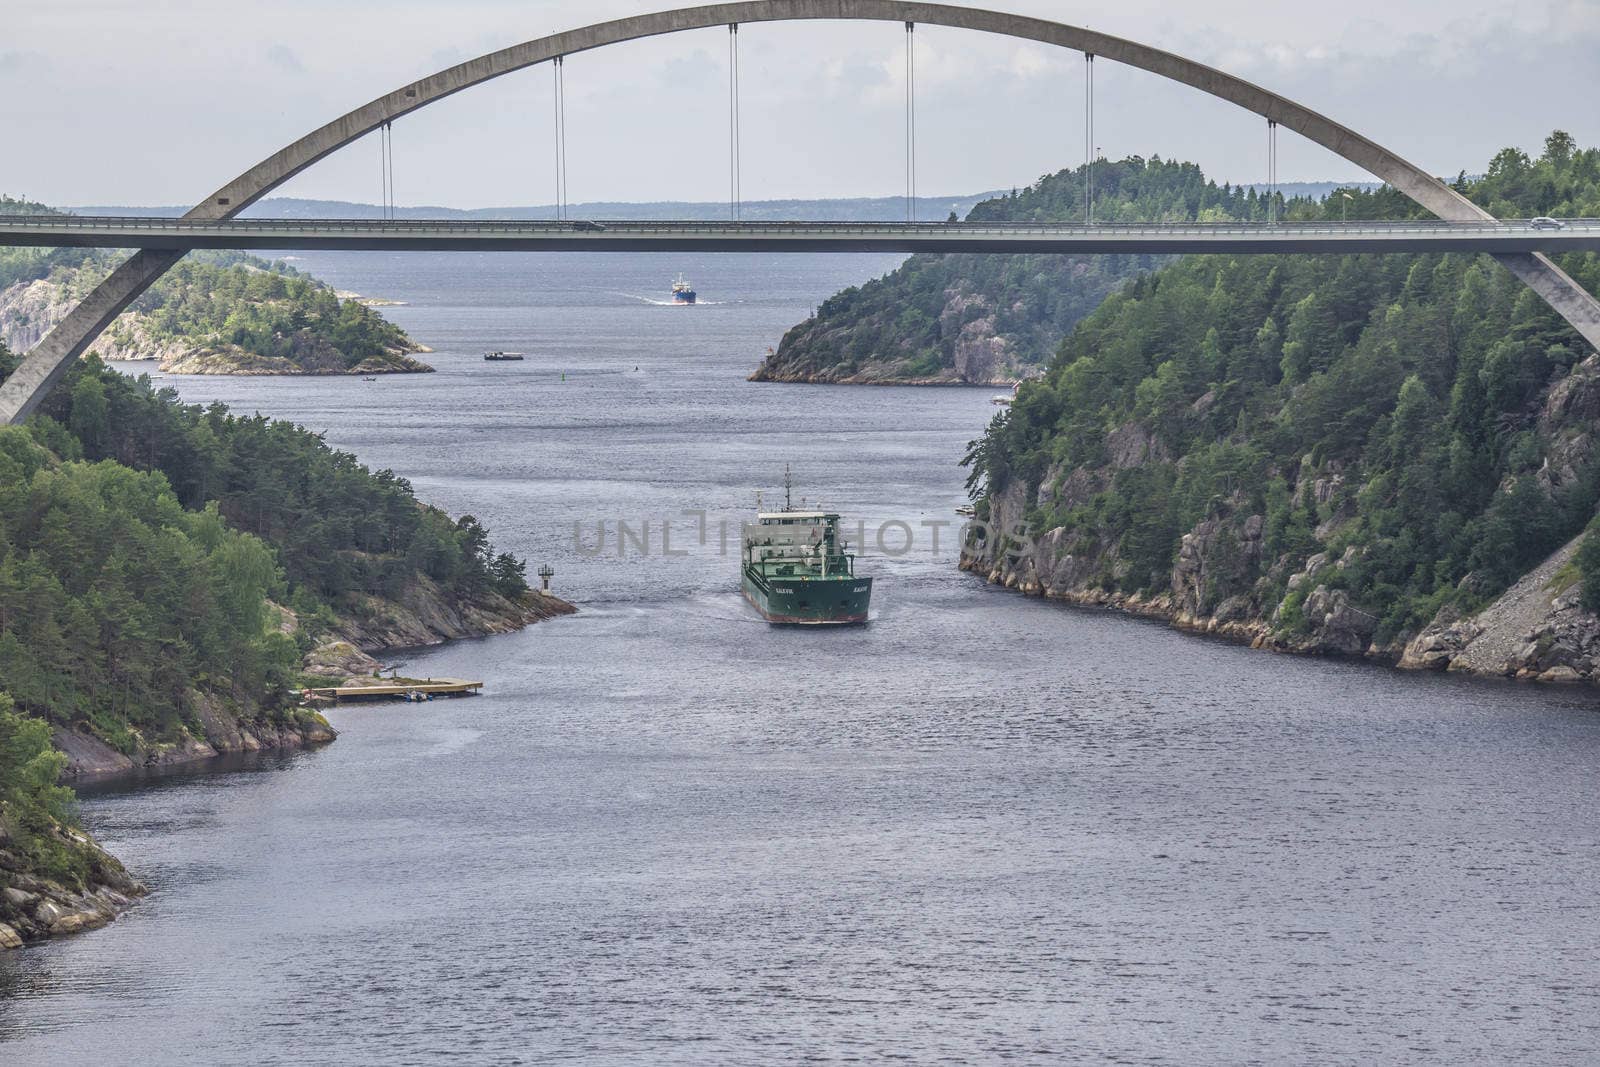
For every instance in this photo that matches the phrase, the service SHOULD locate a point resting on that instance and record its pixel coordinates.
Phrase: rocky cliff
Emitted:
(1225, 581)
(1538, 629)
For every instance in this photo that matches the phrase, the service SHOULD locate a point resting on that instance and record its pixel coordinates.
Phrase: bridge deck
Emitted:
(646, 236)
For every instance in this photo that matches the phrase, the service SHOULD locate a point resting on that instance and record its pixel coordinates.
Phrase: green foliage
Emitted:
(223, 298)
(116, 604)
(1588, 564)
(141, 540)
(32, 805)
(508, 575)
(339, 529)
(266, 311)
(1411, 382)
(914, 316)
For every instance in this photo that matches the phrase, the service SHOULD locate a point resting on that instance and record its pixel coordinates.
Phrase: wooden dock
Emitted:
(397, 690)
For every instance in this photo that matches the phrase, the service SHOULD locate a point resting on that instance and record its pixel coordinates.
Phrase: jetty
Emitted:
(399, 689)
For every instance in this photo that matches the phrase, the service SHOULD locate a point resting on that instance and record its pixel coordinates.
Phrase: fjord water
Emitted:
(982, 828)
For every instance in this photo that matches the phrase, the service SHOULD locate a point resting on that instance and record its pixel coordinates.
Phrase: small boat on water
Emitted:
(682, 291)
(502, 357)
(966, 511)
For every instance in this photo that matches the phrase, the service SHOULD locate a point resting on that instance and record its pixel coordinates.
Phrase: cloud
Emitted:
(285, 58)
(14, 61)
(1030, 61)
(693, 71)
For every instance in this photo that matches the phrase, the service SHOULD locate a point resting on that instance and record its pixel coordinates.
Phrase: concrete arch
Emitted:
(50, 359)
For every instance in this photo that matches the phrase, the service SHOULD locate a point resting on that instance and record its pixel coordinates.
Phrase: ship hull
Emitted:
(809, 602)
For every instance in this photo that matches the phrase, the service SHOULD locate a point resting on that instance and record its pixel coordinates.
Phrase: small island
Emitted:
(214, 313)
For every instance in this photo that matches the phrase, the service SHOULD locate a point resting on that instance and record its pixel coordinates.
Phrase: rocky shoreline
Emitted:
(423, 616)
(1225, 581)
(1535, 631)
(34, 908)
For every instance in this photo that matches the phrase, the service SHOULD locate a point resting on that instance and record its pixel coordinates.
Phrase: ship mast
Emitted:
(788, 503)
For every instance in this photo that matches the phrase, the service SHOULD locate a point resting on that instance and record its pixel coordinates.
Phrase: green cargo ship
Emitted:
(796, 570)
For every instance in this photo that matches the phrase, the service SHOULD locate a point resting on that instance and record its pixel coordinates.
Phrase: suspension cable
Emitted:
(559, 79)
(911, 122)
(383, 167)
(566, 187)
(735, 205)
(386, 150)
(1272, 171)
(1088, 138)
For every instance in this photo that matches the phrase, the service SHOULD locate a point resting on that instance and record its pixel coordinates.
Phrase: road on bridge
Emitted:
(638, 236)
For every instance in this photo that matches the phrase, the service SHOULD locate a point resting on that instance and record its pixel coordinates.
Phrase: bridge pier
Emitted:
(1558, 289)
(49, 360)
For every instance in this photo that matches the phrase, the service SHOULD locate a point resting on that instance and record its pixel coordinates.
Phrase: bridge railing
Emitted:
(79, 223)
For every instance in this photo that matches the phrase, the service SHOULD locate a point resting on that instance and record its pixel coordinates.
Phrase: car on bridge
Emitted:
(1545, 222)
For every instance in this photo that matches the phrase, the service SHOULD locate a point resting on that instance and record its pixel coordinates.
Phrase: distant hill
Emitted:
(857, 209)
(845, 209)
(985, 319)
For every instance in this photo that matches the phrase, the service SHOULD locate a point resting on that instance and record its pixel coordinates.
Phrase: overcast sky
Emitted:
(161, 101)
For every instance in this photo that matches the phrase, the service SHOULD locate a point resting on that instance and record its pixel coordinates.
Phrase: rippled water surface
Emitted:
(980, 829)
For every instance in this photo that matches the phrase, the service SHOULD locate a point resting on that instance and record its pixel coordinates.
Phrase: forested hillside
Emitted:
(166, 570)
(214, 313)
(962, 318)
(1327, 452)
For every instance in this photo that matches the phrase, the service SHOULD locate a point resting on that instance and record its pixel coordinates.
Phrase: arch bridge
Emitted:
(44, 366)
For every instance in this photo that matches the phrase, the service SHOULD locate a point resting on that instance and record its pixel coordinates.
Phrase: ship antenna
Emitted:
(788, 484)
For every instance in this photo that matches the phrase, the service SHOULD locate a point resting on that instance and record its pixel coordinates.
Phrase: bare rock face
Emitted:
(1132, 444)
(1214, 564)
(425, 615)
(1436, 647)
(979, 355)
(1563, 647)
(29, 310)
(1574, 400)
(1336, 625)
(1536, 629)
(342, 660)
